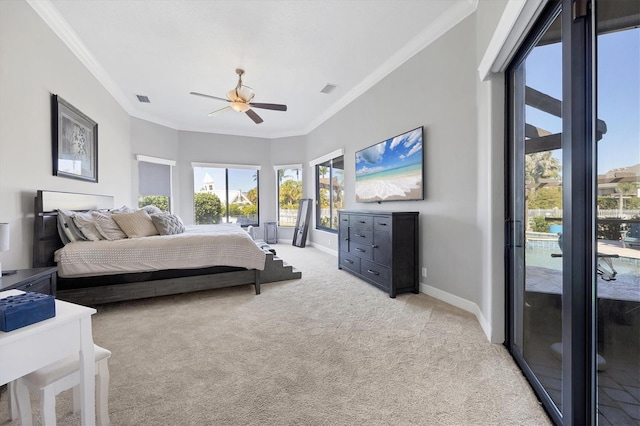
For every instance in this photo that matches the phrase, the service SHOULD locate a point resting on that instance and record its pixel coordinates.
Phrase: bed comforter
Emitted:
(198, 247)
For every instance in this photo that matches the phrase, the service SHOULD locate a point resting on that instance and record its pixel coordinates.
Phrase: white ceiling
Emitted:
(290, 50)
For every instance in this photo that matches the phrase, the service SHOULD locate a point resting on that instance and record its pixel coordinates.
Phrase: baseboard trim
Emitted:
(458, 302)
(442, 295)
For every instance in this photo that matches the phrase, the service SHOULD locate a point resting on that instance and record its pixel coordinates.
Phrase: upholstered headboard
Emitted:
(45, 230)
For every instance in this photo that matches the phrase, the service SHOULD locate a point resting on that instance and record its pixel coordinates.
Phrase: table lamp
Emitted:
(4, 240)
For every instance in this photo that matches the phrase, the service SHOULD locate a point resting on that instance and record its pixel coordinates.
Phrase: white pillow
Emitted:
(86, 224)
(135, 225)
(107, 227)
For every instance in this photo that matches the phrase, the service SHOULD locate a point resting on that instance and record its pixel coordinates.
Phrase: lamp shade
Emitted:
(4, 236)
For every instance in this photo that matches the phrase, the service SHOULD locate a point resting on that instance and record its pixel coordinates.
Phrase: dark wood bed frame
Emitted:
(113, 288)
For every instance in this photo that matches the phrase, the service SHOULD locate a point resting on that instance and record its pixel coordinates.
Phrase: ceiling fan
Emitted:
(240, 100)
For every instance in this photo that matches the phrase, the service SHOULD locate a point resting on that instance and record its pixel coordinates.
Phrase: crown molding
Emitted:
(50, 15)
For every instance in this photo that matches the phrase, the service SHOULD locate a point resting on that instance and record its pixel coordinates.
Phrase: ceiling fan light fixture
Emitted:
(239, 106)
(240, 100)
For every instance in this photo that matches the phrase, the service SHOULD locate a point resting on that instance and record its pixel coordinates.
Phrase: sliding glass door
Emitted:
(573, 209)
(618, 212)
(535, 90)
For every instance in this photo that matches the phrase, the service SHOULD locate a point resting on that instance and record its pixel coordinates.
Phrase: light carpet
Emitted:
(328, 349)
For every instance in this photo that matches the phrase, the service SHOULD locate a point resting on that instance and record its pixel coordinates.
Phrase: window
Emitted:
(329, 190)
(289, 193)
(225, 194)
(154, 182)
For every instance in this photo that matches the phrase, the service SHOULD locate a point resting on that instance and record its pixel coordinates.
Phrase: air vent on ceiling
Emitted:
(143, 99)
(328, 88)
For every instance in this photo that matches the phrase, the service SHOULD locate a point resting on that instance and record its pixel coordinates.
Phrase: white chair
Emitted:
(55, 378)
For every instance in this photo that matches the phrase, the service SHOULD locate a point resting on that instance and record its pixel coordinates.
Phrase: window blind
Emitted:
(154, 179)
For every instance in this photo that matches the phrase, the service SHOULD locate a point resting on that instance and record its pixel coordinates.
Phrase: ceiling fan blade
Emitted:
(209, 96)
(276, 107)
(255, 117)
(219, 111)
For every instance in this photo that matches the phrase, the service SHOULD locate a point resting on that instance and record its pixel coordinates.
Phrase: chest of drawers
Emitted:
(37, 280)
(381, 248)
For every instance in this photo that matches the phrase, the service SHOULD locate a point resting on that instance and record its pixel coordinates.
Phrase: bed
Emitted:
(159, 277)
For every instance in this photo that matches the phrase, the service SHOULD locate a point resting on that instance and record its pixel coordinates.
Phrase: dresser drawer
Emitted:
(42, 285)
(363, 251)
(350, 262)
(382, 223)
(361, 221)
(375, 272)
(360, 236)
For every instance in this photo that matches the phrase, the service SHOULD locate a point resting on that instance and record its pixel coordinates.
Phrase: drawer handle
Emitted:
(382, 224)
(359, 235)
(372, 272)
(361, 221)
(349, 261)
(374, 246)
(360, 250)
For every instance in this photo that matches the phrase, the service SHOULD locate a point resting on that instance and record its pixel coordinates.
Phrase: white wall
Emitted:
(290, 150)
(435, 89)
(490, 182)
(33, 64)
(153, 140)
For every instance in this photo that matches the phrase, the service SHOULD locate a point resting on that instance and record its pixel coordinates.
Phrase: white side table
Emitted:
(35, 346)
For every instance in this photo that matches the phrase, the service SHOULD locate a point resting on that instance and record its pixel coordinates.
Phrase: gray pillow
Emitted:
(152, 209)
(63, 235)
(65, 219)
(121, 209)
(167, 224)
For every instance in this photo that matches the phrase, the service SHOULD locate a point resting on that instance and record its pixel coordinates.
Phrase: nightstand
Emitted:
(37, 280)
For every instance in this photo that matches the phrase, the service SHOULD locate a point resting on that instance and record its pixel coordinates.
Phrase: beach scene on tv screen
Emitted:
(391, 170)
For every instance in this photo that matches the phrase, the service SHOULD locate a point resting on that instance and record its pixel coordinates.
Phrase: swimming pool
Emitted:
(538, 253)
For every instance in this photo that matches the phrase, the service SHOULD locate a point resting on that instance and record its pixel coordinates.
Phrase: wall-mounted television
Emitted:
(391, 170)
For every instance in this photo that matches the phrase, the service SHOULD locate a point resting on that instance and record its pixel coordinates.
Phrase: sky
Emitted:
(399, 151)
(618, 102)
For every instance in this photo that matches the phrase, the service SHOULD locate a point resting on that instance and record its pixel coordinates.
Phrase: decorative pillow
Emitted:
(152, 209)
(135, 225)
(168, 224)
(86, 224)
(63, 235)
(122, 209)
(65, 218)
(107, 227)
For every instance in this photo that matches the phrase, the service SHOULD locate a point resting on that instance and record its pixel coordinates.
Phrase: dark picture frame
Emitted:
(75, 142)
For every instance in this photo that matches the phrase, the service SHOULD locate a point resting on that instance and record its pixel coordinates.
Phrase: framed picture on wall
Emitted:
(75, 142)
